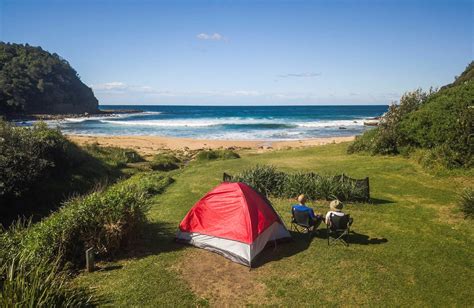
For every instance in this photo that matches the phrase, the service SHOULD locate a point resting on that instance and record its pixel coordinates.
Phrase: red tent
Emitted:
(233, 220)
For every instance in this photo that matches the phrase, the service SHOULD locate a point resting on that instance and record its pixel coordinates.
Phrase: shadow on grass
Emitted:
(278, 251)
(376, 201)
(108, 268)
(354, 238)
(157, 237)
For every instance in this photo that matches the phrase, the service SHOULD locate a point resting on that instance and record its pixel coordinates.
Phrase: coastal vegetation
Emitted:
(38, 159)
(165, 162)
(434, 126)
(216, 154)
(35, 259)
(33, 80)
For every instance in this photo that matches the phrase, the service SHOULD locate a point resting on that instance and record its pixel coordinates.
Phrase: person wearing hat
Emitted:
(335, 208)
(301, 206)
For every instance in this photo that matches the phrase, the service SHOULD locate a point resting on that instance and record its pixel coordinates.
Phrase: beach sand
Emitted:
(150, 144)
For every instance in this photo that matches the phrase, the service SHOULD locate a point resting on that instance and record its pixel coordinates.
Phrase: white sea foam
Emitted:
(208, 122)
(112, 116)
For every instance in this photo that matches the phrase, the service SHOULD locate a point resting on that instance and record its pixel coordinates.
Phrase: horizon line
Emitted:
(245, 105)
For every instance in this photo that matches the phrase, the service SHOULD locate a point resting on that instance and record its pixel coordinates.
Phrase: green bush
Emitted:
(216, 154)
(104, 220)
(268, 181)
(364, 142)
(165, 162)
(28, 155)
(439, 122)
(114, 156)
(38, 159)
(466, 202)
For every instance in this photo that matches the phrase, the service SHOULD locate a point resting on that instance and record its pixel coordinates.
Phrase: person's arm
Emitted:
(328, 215)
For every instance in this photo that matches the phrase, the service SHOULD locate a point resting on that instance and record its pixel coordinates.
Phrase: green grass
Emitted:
(412, 245)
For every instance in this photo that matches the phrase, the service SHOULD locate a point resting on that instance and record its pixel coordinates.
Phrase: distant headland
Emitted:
(34, 82)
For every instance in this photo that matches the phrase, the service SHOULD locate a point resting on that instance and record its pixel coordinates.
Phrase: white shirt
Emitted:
(333, 212)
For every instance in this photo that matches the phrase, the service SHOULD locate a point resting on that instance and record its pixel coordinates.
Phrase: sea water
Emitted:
(228, 122)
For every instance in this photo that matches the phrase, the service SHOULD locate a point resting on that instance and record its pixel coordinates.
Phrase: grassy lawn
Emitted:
(411, 247)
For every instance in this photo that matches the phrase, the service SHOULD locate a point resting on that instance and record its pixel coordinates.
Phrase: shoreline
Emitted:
(152, 144)
(62, 116)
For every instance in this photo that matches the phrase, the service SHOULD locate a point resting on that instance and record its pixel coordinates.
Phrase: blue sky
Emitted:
(249, 52)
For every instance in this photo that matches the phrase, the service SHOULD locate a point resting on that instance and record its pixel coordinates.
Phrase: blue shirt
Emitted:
(304, 208)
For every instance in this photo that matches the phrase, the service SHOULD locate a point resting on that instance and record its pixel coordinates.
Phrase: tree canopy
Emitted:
(33, 80)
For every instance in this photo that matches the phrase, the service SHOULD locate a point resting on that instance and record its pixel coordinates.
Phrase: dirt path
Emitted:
(220, 280)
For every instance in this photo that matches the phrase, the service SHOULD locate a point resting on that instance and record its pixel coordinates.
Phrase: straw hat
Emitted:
(336, 205)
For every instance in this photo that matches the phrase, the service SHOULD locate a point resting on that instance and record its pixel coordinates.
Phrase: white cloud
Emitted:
(211, 37)
(300, 75)
(114, 85)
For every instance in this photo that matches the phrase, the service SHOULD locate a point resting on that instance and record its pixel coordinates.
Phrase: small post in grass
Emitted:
(90, 259)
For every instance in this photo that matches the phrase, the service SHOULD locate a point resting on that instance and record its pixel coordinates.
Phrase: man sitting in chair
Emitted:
(315, 220)
(335, 208)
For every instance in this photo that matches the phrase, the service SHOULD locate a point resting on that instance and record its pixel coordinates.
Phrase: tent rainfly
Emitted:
(234, 221)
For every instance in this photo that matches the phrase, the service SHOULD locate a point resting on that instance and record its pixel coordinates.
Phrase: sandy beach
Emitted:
(150, 144)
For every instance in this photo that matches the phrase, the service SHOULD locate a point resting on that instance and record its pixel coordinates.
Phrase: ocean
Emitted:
(228, 122)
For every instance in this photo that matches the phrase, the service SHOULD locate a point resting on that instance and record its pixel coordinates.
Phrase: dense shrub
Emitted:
(28, 155)
(216, 154)
(104, 220)
(38, 159)
(466, 202)
(165, 162)
(268, 181)
(439, 122)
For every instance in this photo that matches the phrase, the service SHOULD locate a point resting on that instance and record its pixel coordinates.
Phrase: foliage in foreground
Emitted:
(439, 122)
(104, 220)
(466, 202)
(38, 284)
(216, 154)
(269, 181)
(34, 260)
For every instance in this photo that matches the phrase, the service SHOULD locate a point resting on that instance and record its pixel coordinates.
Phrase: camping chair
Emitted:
(301, 221)
(338, 228)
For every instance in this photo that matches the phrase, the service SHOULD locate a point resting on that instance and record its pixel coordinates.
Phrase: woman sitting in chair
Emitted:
(335, 209)
(301, 207)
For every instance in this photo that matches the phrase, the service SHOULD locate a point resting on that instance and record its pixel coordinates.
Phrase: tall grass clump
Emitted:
(216, 154)
(466, 202)
(265, 179)
(165, 162)
(38, 283)
(269, 181)
(114, 156)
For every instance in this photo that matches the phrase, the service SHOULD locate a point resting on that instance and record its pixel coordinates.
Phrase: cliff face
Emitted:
(35, 81)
